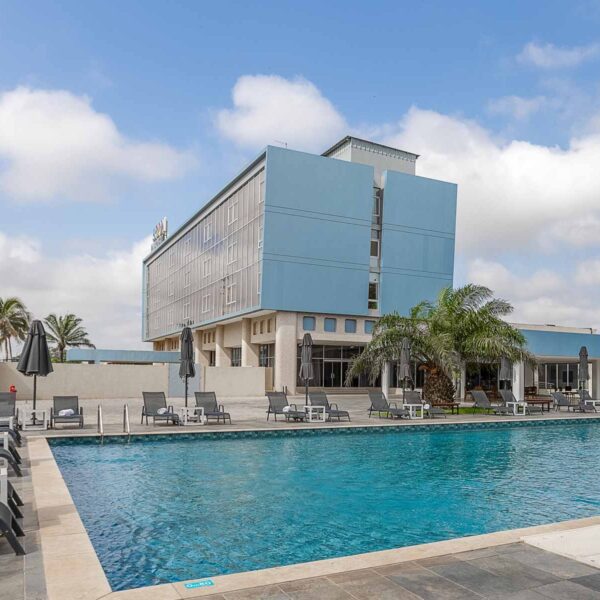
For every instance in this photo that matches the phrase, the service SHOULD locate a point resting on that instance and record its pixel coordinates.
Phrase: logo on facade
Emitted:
(160, 234)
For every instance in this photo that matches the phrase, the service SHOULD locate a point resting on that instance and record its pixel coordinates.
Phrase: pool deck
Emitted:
(518, 564)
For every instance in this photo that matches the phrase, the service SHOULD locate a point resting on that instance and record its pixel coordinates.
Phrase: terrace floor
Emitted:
(513, 570)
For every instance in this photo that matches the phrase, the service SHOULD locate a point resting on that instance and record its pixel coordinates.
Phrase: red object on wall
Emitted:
(12, 389)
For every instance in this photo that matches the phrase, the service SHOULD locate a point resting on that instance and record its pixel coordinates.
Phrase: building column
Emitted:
(594, 384)
(536, 376)
(222, 358)
(461, 387)
(249, 350)
(286, 349)
(385, 379)
(200, 356)
(518, 381)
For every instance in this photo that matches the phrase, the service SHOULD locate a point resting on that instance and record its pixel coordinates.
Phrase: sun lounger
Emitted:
(8, 414)
(10, 459)
(155, 406)
(332, 410)
(414, 397)
(14, 500)
(64, 404)
(279, 405)
(561, 401)
(379, 405)
(208, 401)
(480, 400)
(8, 443)
(508, 396)
(10, 528)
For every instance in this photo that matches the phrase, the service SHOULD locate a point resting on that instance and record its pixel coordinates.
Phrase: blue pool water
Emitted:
(162, 510)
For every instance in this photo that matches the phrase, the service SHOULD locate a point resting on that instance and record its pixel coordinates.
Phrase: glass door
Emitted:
(332, 373)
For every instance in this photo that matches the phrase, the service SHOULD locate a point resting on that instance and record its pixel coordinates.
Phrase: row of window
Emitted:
(330, 325)
(263, 326)
(209, 337)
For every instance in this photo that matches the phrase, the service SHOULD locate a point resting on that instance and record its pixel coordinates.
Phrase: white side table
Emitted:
(416, 410)
(516, 406)
(187, 415)
(315, 414)
(26, 418)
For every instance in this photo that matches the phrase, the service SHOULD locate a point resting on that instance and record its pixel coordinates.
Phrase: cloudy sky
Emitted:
(113, 115)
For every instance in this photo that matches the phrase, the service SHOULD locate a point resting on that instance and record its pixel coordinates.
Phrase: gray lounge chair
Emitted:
(561, 401)
(11, 446)
(277, 402)
(585, 397)
(14, 500)
(379, 405)
(413, 397)
(480, 400)
(10, 459)
(332, 410)
(582, 405)
(153, 403)
(8, 410)
(508, 396)
(10, 528)
(61, 403)
(212, 410)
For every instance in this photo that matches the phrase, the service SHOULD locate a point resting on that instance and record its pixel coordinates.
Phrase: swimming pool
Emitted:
(176, 508)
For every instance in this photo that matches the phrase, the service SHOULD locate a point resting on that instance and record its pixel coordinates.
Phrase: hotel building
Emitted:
(302, 243)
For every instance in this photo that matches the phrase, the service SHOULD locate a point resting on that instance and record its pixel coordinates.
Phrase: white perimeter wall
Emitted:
(234, 381)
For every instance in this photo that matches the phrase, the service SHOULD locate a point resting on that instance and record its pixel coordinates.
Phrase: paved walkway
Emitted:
(510, 572)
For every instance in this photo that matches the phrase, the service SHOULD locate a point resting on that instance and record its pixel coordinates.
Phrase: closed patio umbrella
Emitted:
(35, 358)
(404, 365)
(186, 361)
(306, 366)
(505, 371)
(584, 373)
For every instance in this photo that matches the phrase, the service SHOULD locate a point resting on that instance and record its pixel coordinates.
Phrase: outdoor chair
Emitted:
(208, 401)
(14, 500)
(8, 411)
(379, 404)
(8, 443)
(586, 403)
(586, 398)
(278, 402)
(155, 406)
(10, 459)
(332, 410)
(508, 396)
(561, 401)
(10, 528)
(66, 403)
(480, 400)
(414, 397)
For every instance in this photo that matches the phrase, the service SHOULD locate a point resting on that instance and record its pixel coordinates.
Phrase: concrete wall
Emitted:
(234, 381)
(317, 231)
(88, 381)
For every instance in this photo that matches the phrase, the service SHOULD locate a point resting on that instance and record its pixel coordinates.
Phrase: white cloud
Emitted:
(588, 272)
(268, 109)
(53, 144)
(105, 290)
(512, 194)
(517, 107)
(549, 56)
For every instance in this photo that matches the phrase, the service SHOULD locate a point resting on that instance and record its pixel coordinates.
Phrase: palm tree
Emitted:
(463, 325)
(66, 331)
(14, 323)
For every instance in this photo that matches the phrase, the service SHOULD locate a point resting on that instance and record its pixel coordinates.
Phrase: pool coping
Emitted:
(73, 570)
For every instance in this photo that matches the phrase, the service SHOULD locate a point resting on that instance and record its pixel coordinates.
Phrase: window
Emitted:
(269, 326)
(187, 279)
(231, 253)
(230, 294)
(171, 286)
(207, 232)
(205, 303)
(350, 326)
(369, 326)
(373, 296)
(172, 258)
(212, 358)
(260, 236)
(266, 355)
(376, 206)
(170, 319)
(258, 281)
(187, 245)
(236, 357)
(308, 323)
(207, 266)
(330, 325)
(186, 311)
(232, 212)
(261, 189)
(262, 326)
(254, 328)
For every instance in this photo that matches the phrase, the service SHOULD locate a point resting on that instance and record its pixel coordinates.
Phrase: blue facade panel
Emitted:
(561, 344)
(417, 243)
(317, 224)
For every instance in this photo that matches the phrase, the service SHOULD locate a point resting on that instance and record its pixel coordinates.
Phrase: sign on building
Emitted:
(160, 234)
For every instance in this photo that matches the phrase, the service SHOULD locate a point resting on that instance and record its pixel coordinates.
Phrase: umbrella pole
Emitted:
(306, 391)
(186, 389)
(34, 395)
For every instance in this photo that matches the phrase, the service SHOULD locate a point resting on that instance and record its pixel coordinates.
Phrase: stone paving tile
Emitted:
(314, 589)
(590, 581)
(520, 575)
(522, 595)
(367, 584)
(552, 563)
(270, 592)
(567, 589)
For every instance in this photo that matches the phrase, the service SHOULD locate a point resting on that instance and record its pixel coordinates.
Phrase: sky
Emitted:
(115, 114)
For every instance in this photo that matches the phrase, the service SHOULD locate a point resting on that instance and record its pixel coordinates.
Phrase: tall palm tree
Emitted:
(66, 331)
(463, 325)
(14, 323)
